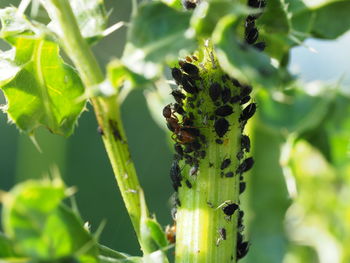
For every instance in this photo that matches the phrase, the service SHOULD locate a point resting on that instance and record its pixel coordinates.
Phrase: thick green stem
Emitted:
(204, 233)
(107, 110)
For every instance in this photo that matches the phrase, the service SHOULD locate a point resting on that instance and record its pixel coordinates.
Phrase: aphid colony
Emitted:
(190, 143)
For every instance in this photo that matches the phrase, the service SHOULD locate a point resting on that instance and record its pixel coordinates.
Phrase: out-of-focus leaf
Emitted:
(118, 74)
(160, 39)
(275, 18)
(174, 4)
(40, 89)
(41, 227)
(207, 15)
(332, 20)
(6, 247)
(293, 110)
(91, 18)
(240, 60)
(268, 197)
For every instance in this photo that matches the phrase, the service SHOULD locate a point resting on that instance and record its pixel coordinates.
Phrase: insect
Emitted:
(181, 134)
(245, 166)
(188, 4)
(260, 46)
(188, 183)
(229, 174)
(219, 141)
(224, 111)
(222, 235)
(177, 75)
(251, 35)
(229, 209)
(170, 232)
(190, 69)
(178, 96)
(242, 187)
(244, 100)
(214, 91)
(225, 95)
(245, 143)
(225, 163)
(189, 84)
(248, 112)
(242, 249)
(221, 127)
(175, 175)
(235, 99)
(194, 170)
(246, 90)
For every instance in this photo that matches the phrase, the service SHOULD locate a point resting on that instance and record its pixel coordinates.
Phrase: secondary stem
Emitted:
(107, 110)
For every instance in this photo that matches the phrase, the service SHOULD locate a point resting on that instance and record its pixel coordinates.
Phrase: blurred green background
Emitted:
(83, 163)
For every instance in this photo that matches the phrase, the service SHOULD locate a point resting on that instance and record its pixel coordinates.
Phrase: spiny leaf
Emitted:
(40, 89)
(41, 227)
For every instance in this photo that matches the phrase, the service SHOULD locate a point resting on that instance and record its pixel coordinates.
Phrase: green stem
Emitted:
(200, 218)
(107, 110)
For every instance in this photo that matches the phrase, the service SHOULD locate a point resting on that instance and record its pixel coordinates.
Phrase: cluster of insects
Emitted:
(251, 32)
(190, 142)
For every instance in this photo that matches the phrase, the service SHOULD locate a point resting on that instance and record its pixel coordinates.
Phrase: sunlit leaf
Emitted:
(239, 60)
(207, 15)
(40, 89)
(275, 18)
(41, 227)
(293, 111)
(160, 39)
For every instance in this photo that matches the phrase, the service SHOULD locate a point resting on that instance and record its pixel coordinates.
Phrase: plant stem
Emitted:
(107, 110)
(200, 217)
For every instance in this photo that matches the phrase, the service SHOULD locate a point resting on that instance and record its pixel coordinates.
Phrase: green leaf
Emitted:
(239, 60)
(41, 227)
(274, 18)
(40, 89)
(331, 21)
(293, 110)
(159, 39)
(207, 15)
(6, 247)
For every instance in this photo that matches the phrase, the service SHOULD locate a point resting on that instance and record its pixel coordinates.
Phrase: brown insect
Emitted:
(170, 232)
(181, 134)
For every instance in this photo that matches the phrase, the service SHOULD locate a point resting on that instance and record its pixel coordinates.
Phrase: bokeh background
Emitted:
(83, 163)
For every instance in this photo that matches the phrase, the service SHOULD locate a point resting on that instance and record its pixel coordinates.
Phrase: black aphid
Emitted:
(240, 155)
(175, 175)
(177, 75)
(244, 100)
(245, 143)
(224, 111)
(246, 90)
(189, 84)
(245, 166)
(178, 96)
(235, 99)
(214, 91)
(188, 4)
(251, 36)
(188, 183)
(219, 141)
(242, 187)
(242, 249)
(229, 174)
(190, 69)
(248, 112)
(260, 46)
(222, 233)
(225, 163)
(221, 127)
(195, 145)
(226, 95)
(235, 82)
(230, 209)
(178, 149)
(179, 109)
(193, 131)
(202, 154)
